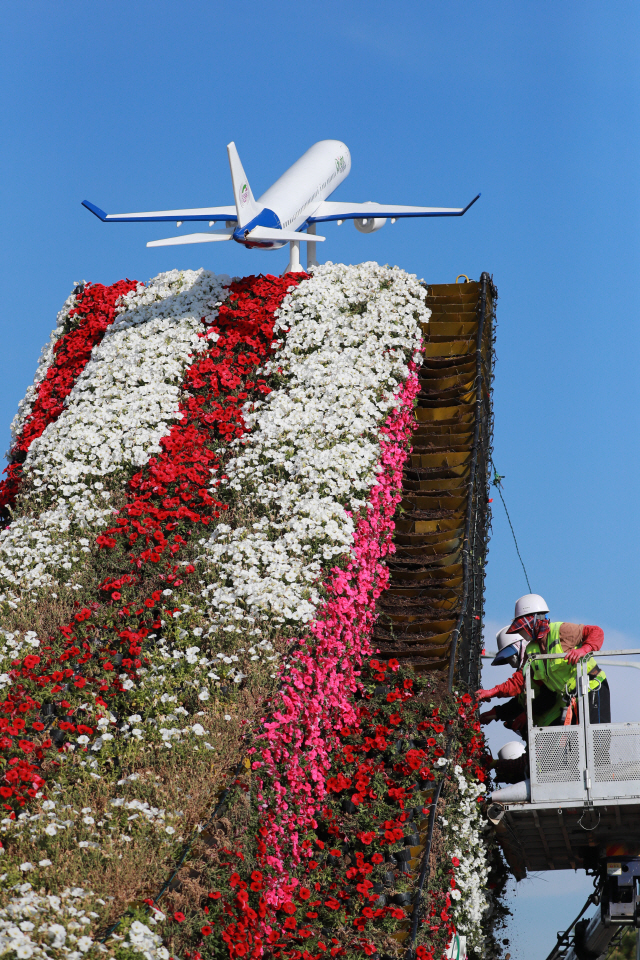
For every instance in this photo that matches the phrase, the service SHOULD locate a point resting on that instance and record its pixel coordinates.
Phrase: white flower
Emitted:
(312, 454)
(44, 863)
(198, 729)
(121, 406)
(26, 866)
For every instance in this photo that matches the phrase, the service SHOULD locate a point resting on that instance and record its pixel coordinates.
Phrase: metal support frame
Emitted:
(294, 265)
(582, 762)
(465, 663)
(565, 837)
(311, 247)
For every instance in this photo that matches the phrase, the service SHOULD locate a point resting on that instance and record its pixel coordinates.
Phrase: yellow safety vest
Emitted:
(558, 674)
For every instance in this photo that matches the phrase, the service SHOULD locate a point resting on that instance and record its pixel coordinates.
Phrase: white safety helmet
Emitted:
(511, 647)
(530, 603)
(511, 750)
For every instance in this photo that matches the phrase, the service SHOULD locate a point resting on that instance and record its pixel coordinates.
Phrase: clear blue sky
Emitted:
(535, 104)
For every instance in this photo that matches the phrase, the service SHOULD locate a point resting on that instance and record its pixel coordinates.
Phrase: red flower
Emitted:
(179, 916)
(304, 893)
(214, 896)
(205, 931)
(94, 312)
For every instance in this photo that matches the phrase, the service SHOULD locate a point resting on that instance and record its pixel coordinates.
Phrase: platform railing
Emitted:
(586, 761)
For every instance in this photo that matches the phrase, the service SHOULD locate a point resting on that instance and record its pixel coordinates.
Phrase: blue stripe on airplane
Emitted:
(111, 219)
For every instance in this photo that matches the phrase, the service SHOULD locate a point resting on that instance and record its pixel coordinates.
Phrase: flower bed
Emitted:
(80, 325)
(199, 530)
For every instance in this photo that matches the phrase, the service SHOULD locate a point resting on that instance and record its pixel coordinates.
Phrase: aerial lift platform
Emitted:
(579, 809)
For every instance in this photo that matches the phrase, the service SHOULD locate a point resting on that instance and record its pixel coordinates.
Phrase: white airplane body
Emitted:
(296, 200)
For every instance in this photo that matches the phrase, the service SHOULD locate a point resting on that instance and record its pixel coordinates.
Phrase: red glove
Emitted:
(574, 655)
(486, 694)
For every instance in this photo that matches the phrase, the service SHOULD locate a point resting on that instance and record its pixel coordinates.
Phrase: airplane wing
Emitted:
(193, 238)
(274, 233)
(332, 210)
(200, 213)
(258, 233)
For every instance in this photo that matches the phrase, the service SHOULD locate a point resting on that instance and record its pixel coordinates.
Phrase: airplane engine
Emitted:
(370, 224)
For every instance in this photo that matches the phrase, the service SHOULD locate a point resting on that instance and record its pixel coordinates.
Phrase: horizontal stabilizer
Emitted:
(193, 238)
(273, 233)
(334, 210)
(199, 213)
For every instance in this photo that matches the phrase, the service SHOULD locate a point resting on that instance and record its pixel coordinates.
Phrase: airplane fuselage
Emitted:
(292, 199)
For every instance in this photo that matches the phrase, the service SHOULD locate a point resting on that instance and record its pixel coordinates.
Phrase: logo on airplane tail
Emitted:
(244, 193)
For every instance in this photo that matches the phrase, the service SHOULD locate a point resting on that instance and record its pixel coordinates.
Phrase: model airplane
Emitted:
(296, 200)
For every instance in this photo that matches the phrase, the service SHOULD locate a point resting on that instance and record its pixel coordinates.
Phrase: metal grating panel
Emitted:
(431, 615)
(616, 752)
(557, 751)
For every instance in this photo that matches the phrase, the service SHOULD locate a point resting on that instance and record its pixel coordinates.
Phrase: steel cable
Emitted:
(497, 483)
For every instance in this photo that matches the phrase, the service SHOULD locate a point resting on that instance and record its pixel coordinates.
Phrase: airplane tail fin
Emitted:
(246, 206)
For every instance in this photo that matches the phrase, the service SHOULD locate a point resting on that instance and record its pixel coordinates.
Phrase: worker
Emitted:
(571, 641)
(548, 705)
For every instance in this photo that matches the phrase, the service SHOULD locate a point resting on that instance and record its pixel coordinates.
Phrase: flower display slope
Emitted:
(80, 325)
(212, 508)
(46, 359)
(313, 451)
(120, 406)
(77, 710)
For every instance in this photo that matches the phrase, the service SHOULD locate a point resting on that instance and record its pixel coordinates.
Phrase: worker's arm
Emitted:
(510, 688)
(579, 640)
